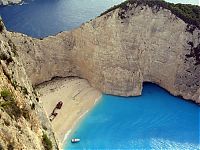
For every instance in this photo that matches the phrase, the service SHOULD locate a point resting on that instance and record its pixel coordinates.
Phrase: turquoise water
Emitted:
(155, 120)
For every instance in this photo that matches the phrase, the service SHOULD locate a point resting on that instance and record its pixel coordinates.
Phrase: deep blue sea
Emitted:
(155, 120)
(40, 18)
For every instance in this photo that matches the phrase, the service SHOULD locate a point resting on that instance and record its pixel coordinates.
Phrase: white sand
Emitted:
(77, 96)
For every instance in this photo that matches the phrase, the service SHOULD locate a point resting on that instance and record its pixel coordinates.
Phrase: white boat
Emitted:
(75, 140)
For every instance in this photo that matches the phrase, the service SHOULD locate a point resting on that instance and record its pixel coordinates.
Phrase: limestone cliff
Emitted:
(120, 50)
(7, 2)
(23, 122)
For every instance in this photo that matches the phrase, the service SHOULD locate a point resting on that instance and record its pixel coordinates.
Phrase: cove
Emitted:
(155, 120)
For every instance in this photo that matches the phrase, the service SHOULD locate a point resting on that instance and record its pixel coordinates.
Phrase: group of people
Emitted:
(55, 110)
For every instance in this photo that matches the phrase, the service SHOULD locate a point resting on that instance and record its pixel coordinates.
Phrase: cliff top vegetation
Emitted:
(187, 12)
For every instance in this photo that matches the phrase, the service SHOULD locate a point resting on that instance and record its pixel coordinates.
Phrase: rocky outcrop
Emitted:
(119, 51)
(7, 2)
(23, 121)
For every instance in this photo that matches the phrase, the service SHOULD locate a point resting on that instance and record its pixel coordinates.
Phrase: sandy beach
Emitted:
(77, 97)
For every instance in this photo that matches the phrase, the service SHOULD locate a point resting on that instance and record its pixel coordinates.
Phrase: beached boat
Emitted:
(75, 140)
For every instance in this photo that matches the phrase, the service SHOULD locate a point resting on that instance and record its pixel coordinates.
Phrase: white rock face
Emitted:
(7, 2)
(23, 121)
(116, 55)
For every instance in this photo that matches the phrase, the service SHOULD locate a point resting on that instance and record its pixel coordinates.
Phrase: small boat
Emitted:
(75, 140)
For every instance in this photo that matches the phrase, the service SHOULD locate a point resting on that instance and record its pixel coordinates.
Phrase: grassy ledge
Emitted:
(46, 142)
(188, 13)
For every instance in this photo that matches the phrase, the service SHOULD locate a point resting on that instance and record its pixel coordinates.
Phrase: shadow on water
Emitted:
(155, 120)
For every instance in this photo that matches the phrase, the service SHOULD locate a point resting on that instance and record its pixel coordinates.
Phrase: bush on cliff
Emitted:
(46, 142)
(7, 95)
(10, 105)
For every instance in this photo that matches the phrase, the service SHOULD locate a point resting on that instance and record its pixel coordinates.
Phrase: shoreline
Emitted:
(78, 121)
(78, 98)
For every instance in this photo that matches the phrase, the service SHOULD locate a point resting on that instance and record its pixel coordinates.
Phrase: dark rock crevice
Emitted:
(194, 53)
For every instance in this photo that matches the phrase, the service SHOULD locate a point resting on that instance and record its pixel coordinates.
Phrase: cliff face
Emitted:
(119, 51)
(23, 122)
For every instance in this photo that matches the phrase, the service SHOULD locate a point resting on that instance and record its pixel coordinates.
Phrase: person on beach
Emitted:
(55, 110)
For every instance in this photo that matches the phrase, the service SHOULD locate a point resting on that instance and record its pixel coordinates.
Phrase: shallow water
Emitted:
(155, 120)
(40, 18)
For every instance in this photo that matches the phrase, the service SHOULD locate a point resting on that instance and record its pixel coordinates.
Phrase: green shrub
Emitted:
(7, 95)
(187, 12)
(46, 142)
(9, 105)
